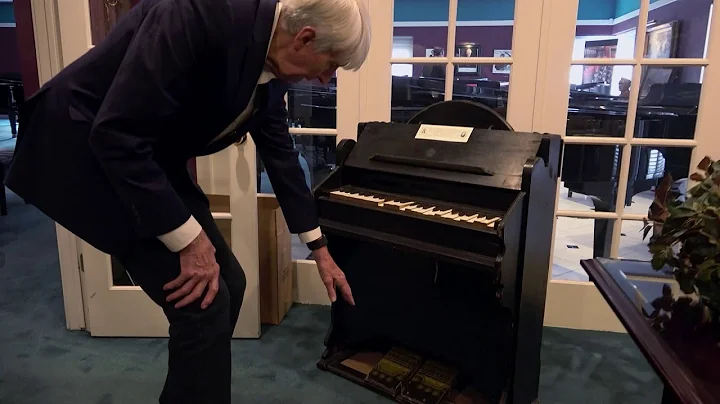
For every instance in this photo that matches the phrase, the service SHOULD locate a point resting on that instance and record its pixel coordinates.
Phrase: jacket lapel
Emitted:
(253, 23)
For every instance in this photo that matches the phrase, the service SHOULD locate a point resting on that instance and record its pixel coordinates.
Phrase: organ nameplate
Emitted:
(455, 134)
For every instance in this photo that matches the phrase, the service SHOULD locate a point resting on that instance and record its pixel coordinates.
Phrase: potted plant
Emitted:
(686, 238)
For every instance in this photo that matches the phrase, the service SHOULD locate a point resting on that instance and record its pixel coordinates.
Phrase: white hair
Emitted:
(343, 27)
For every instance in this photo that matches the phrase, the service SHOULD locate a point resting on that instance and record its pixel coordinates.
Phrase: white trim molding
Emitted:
(487, 23)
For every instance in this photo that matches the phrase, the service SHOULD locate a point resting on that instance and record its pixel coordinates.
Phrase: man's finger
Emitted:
(186, 288)
(177, 282)
(211, 293)
(331, 291)
(192, 296)
(346, 291)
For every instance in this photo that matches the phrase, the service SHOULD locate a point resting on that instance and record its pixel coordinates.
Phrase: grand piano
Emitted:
(445, 241)
(666, 111)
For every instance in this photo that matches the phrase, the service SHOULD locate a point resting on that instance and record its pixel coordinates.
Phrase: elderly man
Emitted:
(104, 146)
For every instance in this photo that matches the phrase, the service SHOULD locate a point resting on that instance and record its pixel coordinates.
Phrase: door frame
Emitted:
(51, 57)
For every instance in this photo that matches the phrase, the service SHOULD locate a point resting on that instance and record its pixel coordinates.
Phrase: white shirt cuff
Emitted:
(181, 237)
(311, 235)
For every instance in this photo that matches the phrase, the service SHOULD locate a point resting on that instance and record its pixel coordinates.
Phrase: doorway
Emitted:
(18, 80)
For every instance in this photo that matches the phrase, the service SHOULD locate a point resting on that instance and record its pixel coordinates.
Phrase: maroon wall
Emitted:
(26, 46)
(9, 53)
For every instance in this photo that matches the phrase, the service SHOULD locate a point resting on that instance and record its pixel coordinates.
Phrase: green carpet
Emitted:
(43, 363)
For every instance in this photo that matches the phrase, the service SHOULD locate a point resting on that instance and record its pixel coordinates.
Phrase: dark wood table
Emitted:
(689, 371)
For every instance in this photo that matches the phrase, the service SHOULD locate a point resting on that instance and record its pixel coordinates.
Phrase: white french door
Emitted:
(585, 69)
(632, 95)
(99, 294)
(112, 304)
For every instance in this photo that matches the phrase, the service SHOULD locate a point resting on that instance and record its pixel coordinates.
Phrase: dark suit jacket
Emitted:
(104, 145)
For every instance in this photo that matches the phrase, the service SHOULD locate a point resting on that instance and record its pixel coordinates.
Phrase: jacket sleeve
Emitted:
(278, 154)
(151, 84)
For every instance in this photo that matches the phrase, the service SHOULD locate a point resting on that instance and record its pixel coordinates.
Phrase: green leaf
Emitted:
(687, 283)
(706, 163)
(714, 165)
(646, 231)
(657, 262)
(683, 212)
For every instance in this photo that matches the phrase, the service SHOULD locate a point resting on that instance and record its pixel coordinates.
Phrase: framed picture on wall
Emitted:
(599, 75)
(467, 50)
(660, 42)
(501, 53)
(434, 52)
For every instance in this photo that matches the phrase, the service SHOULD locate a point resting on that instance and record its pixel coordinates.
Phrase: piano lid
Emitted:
(486, 157)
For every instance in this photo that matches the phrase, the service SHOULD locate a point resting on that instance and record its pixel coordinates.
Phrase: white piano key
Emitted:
(406, 207)
(483, 220)
(476, 220)
(425, 211)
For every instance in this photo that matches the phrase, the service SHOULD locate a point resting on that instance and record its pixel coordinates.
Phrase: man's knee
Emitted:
(192, 322)
(234, 277)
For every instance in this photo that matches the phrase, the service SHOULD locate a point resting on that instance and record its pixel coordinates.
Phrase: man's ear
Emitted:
(306, 35)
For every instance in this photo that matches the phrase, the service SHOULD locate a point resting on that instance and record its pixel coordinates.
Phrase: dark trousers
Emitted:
(199, 346)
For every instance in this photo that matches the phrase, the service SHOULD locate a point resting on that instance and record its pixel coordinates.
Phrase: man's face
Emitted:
(300, 60)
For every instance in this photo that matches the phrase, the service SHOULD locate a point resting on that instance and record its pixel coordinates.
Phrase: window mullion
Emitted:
(450, 52)
(630, 126)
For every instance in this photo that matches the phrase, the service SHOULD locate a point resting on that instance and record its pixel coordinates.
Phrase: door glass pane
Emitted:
(606, 29)
(417, 86)
(669, 100)
(590, 177)
(317, 158)
(648, 164)
(490, 88)
(312, 104)
(414, 87)
(484, 29)
(576, 239)
(598, 102)
(421, 28)
(120, 276)
(632, 245)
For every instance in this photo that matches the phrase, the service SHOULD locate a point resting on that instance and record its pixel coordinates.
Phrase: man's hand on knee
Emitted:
(198, 270)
